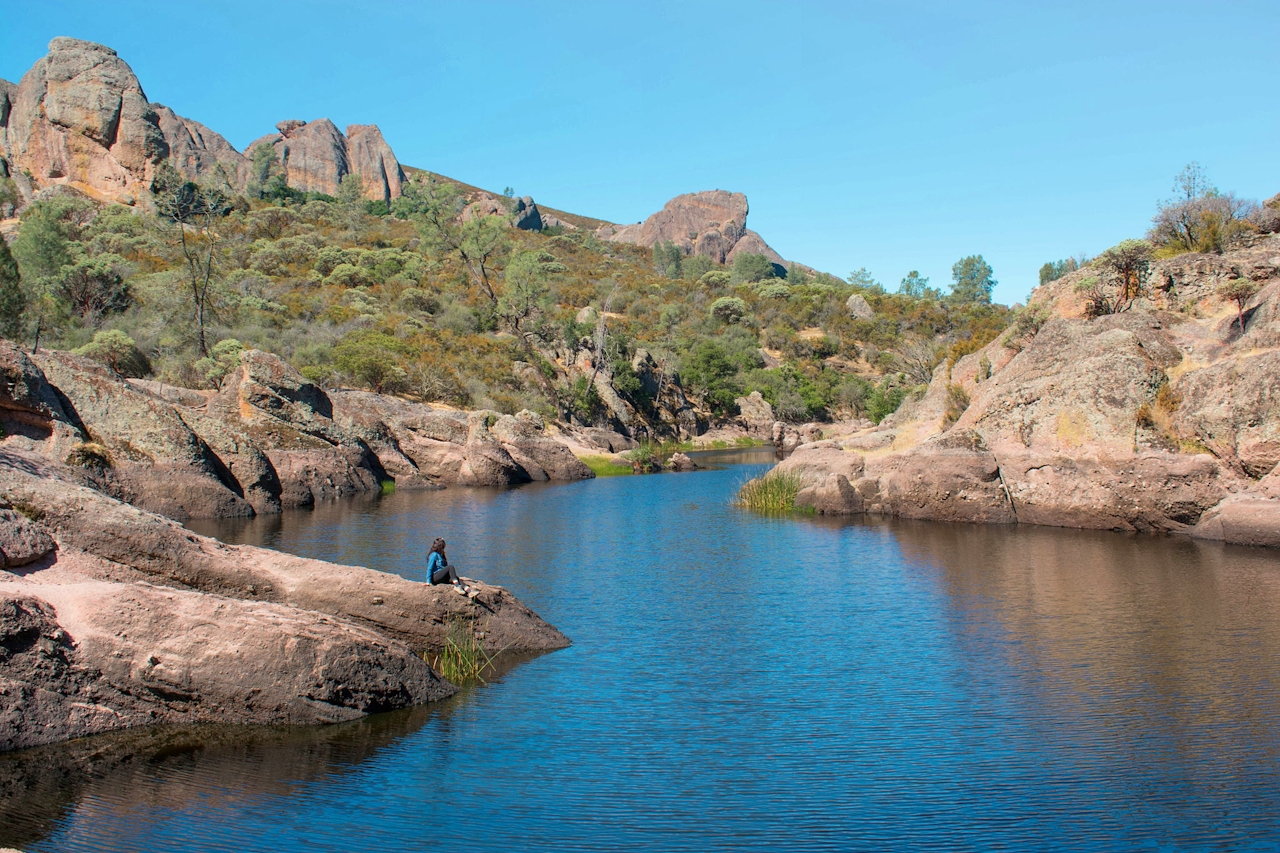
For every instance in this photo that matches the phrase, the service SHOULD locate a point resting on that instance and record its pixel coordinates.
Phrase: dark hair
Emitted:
(436, 547)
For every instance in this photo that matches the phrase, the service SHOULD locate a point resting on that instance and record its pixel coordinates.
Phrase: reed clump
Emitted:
(774, 492)
(462, 659)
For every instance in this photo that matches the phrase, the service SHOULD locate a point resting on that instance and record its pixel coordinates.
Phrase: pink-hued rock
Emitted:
(314, 155)
(711, 223)
(80, 117)
(201, 154)
(372, 159)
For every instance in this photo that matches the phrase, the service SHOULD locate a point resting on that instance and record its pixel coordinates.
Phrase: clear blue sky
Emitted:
(890, 135)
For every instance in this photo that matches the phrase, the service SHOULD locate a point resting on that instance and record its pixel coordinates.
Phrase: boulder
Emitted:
(710, 223)
(756, 415)
(525, 215)
(22, 540)
(859, 308)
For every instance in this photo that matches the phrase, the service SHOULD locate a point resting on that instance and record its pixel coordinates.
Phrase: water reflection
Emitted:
(750, 683)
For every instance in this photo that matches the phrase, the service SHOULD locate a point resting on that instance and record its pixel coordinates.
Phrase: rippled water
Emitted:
(744, 683)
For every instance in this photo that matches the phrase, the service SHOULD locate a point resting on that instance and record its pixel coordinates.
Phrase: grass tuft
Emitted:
(604, 466)
(463, 658)
(774, 492)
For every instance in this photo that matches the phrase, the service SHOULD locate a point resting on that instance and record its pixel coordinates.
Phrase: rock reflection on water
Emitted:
(740, 682)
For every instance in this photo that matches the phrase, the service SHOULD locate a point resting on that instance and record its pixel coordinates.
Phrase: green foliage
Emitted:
(221, 360)
(461, 659)
(118, 351)
(1128, 264)
(667, 258)
(917, 286)
(715, 278)
(971, 280)
(1054, 270)
(884, 400)
(1239, 291)
(583, 401)
(775, 492)
(711, 369)
(863, 280)
(1026, 324)
(604, 466)
(729, 309)
(1198, 218)
(749, 267)
(374, 359)
(13, 301)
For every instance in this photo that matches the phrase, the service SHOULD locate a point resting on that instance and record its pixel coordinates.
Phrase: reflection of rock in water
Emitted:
(39, 786)
(168, 766)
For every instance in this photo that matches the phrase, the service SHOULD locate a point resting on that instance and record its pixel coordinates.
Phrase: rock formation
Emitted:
(1163, 417)
(132, 620)
(80, 117)
(372, 159)
(199, 153)
(711, 223)
(268, 440)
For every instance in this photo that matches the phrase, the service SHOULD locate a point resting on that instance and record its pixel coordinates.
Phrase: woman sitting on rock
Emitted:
(439, 570)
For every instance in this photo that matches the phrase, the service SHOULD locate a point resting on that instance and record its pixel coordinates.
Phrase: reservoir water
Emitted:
(740, 682)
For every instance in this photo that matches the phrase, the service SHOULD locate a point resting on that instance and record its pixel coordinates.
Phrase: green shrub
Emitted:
(775, 492)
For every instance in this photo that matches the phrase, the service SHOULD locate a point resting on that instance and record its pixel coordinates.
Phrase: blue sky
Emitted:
(890, 135)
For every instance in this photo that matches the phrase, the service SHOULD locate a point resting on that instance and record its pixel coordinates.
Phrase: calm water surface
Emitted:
(743, 683)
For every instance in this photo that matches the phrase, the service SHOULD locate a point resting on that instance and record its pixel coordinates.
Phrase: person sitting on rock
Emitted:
(439, 570)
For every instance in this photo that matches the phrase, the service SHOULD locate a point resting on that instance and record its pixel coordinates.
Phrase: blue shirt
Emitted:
(435, 563)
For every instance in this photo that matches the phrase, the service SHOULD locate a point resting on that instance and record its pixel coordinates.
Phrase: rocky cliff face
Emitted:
(711, 223)
(268, 440)
(80, 117)
(200, 153)
(1164, 417)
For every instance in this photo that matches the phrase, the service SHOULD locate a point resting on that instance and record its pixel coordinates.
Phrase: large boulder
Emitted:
(756, 415)
(80, 117)
(707, 223)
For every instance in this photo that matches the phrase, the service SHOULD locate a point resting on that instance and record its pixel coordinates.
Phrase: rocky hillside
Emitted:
(1163, 414)
(708, 224)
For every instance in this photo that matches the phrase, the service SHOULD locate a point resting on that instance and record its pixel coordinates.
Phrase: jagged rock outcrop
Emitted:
(269, 440)
(133, 620)
(1164, 417)
(201, 154)
(80, 117)
(704, 223)
(370, 157)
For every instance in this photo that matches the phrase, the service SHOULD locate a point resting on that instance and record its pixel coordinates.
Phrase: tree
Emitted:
(12, 300)
(1129, 262)
(917, 287)
(971, 280)
(729, 309)
(749, 267)
(195, 212)
(860, 278)
(522, 307)
(221, 360)
(1198, 218)
(667, 258)
(711, 370)
(480, 243)
(43, 248)
(1054, 270)
(93, 286)
(116, 350)
(1239, 291)
(373, 358)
